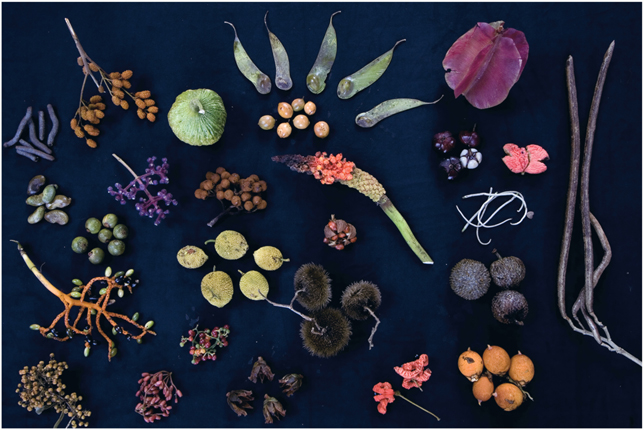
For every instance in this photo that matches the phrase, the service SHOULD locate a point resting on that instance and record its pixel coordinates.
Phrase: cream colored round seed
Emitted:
(301, 122)
(298, 105)
(266, 122)
(310, 108)
(321, 129)
(284, 130)
(285, 110)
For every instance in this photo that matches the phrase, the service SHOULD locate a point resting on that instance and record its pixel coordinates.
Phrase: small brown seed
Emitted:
(125, 105)
(153, 109)
(284, 130)
(127, 74)
(140, 113)
(115, 75)
(143, 94)
(126, 84)
(117, 83)
(310, 108)
(96, 99)
(73, 123)
(115, 100)
(151, 117)
(91, 143)
(140, 103)
(150, 102)
(93, 67)
(321, 129)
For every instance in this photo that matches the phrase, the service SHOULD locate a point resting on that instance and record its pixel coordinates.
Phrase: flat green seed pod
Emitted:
(198, 117)
(282, 68)
(315, 80)
(363, 78)
(387, 109)
(217, 288)
(245, 65)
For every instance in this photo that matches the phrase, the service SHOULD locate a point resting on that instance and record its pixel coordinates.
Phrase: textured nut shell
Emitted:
(252, 281)
(496, 360)
(195, 128)
(191, 257)
(231, 245)
(217, 288)
(470, 279)
(483, 388)
(521, 369)
(507, 272)
(268, 258)
(470, 364)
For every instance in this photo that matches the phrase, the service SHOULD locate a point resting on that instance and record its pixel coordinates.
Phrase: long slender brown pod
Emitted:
(585, 181)
(573, 185)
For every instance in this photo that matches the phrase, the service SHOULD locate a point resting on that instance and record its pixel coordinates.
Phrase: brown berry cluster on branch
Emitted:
(242, 194)
(41, 388)
(116, 84)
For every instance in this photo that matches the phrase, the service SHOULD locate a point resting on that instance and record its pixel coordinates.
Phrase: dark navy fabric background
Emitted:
(175, 47)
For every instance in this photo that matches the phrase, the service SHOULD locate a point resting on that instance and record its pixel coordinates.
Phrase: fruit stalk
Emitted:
(391, 211)
(397, 394)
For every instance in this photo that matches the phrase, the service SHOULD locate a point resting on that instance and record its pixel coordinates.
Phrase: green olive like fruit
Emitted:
(110, 221)
(93, 225)
(105, 235)
(120, 231)
(116, 247)
(96, 256)
(198, 117)
(79, 245)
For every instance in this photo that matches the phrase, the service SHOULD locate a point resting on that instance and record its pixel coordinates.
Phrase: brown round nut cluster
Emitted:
(300, 121)
(243, 194)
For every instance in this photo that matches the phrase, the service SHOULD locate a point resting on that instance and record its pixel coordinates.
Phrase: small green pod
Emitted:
(316, 79)
(358, 81)
(37, 216)
(282, 68)
(77, 282)
(135, 317)
(387, 109)
(34, 327)
(49, 193)
(260, 80)
(59, 202)
(86, 351)
(75, 294)
(148, 325)
(57, 217)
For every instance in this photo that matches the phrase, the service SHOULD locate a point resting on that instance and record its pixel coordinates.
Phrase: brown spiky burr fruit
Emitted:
(483, 388)
(507, 272)
(470, 364)
(339, 234)
(510, 307)
(521, 369)
(235, 193)
(334, 336)
(312, 286)
(496, 360)
(508, 396)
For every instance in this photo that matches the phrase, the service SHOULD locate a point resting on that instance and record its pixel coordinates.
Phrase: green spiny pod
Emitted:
(282, 68)
(363, 78)
(387, 109)
(260, 80)
(316, 79)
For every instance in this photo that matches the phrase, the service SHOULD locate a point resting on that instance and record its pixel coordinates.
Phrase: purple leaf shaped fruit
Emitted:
(484, 63)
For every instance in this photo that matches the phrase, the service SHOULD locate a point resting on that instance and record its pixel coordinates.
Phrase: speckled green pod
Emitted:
(245, 65)
(315, 80)
(198, 117)
(387, 109)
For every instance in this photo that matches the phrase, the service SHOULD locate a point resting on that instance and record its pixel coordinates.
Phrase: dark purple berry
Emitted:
(469, 138)
(444, 142)
(452, 166)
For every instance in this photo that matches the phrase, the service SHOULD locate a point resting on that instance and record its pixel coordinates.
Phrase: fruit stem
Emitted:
(196, 104)
(391, 211)
(397, 394)
(494, 251)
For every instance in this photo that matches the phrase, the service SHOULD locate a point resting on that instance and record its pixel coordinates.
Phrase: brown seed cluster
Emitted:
(41, 388)
(117, 85)
(156, 393)
(338, 233)
(243, 194)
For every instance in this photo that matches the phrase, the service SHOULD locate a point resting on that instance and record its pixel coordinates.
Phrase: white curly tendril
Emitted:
(481, 212)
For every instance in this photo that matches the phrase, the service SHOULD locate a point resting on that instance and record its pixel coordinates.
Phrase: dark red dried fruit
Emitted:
(452, 166)
(444, 142)
(339, 233)
(469, 138)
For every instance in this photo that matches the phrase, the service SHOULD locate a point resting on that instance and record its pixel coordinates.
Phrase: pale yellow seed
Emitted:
(284, 130)
(285, 110)
(301, 122)
(310, 108)
(321, 129)
(266, 122)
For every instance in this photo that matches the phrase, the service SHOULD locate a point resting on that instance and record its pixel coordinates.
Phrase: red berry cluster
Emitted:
(156, 392)
(205, 342)
(339, 233)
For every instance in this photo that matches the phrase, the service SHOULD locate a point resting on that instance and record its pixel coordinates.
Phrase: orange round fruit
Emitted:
(470, 365)
(483, 388)
(521, 369)
(508, 396)
(496, 360)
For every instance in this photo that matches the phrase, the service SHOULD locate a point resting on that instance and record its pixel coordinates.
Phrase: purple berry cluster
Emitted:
(147, 206)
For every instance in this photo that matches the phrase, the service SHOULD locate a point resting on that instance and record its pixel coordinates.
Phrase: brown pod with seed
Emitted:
(339, 234)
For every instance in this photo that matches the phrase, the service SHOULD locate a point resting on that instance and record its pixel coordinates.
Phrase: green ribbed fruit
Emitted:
(198, 117)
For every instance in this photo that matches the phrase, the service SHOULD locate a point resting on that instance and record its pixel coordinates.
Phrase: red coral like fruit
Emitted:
(384, 396)
(525, 160)
(414, 372)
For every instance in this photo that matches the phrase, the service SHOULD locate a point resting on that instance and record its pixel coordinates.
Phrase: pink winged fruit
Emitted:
(484, 63)
(525, 160)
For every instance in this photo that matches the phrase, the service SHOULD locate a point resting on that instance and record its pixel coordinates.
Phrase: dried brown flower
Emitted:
(238, 401)
(291, 383)
(272, 408)
(261, 370)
